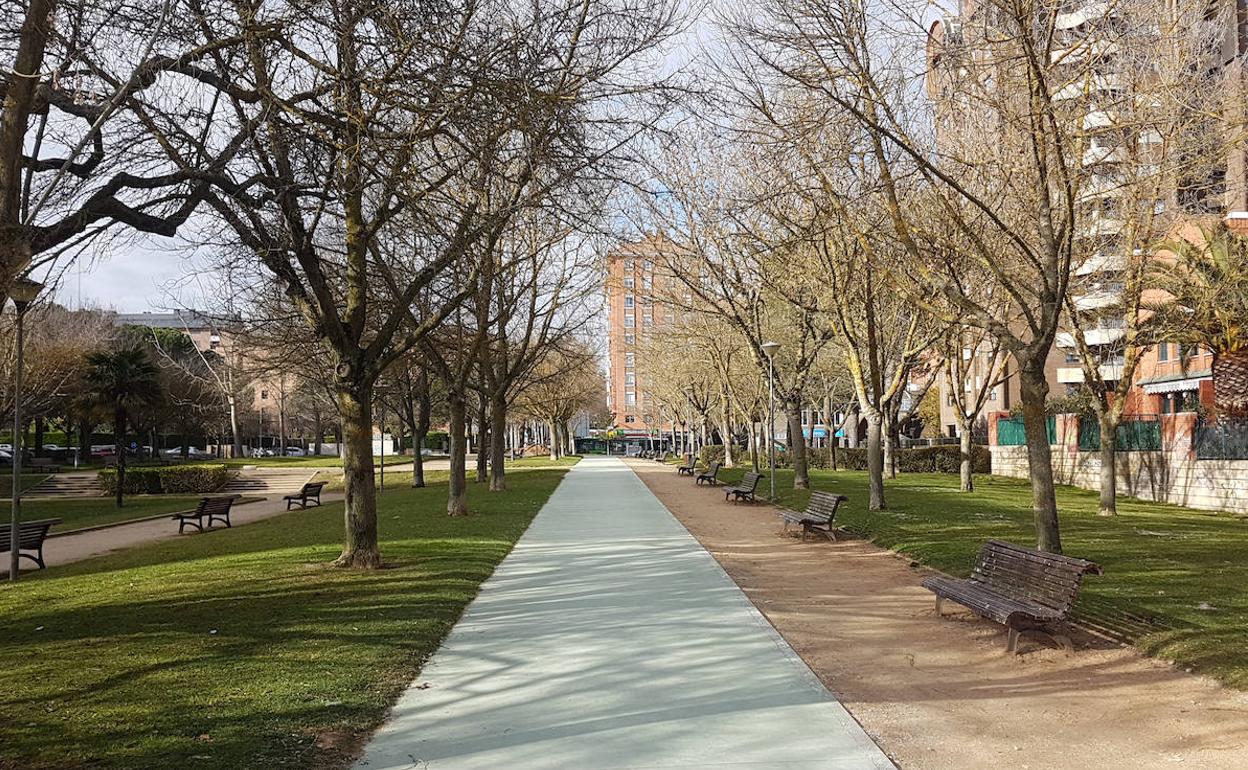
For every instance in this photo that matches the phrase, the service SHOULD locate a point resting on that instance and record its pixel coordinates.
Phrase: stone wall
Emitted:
(1171, 476)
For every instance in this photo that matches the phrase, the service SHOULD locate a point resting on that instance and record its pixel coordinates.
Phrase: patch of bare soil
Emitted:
(943, 693)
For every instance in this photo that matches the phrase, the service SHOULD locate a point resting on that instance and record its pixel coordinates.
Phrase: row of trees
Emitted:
(408, 185)
(891, 239)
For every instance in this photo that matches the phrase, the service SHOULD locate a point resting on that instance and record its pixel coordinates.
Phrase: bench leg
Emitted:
(940, 601)
(1011, 641)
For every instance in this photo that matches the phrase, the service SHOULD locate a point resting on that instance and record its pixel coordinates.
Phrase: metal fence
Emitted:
(1226, 439)
(1141, 433)
(1010, 431)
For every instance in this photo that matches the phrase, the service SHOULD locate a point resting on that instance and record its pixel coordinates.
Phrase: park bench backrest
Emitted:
(823, 505)
(210, 506)
(1021, 573)
(750, 481)
(35, 462)
(714, 468)
(312, 487)
(29, 534)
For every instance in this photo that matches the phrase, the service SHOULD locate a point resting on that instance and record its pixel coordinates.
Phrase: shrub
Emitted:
(174, 479)
(711, 453)
(945, 458)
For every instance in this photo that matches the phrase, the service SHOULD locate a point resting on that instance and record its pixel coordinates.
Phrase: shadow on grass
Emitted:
(239, 648)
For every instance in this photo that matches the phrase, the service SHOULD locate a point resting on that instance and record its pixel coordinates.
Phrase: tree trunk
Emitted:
(119, 444)
(553, 442)
(726, 430)
(875, 460)
(966, 443)
(753, 445)
(1109, 475)
(420, 429)
(84, 441)
(1230, 383)
(887, 429)
(39, 427)
(457, 488)
(360, 549)
(483, 441)
(1033, 390)
(852, 422)
(498, 443)
(319, 430)
(797, 445)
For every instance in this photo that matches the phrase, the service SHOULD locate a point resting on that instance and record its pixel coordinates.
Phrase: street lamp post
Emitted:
(22, 292)
(770, 349)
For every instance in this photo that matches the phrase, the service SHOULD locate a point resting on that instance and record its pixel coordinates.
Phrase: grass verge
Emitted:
(91, 511)
(241, 648)
(1174, 577)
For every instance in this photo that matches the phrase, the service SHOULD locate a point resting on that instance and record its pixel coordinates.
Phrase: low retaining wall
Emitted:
(1169, 477)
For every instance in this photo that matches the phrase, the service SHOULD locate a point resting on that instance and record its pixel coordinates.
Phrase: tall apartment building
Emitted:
(1095, 88)
(632, 282)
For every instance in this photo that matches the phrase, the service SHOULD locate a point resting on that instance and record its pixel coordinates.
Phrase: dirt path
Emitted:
(943, 693)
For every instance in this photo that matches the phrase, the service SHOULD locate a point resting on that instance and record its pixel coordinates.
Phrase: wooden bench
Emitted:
(709, 474)
(818, 516)
(310, 491)
(686, 468)
(745, 490)
(211, 508)
(44, 465)
(1022, 589)
(30, 537)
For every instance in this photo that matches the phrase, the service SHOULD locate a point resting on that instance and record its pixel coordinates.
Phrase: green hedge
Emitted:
(711, 453)
(929, 459)
(945, 458)
(169, 480)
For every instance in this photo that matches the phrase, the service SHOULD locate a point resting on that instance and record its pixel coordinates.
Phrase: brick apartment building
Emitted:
(633, 281)
(1168, 378)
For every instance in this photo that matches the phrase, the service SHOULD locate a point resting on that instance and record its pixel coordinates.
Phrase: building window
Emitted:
(630, 378)
(628, 282)
(630, 339)
(630, 398)
(629, 301)
(647, 281)
(1072, 356)
(630, 321)
(628, 265)
(1163, 351)
(630, 360)
(629, 418)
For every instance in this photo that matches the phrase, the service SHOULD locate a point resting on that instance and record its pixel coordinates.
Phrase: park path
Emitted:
(97, 542)
(610, 639)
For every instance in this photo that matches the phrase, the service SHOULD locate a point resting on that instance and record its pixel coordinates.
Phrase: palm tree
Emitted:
(1207, 284)
(119, 382)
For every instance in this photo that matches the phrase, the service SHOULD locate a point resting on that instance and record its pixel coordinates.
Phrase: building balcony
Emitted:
(1087, 12)
(1098, 336)
(1072, 375)
(1101, 263)
(1098, 298)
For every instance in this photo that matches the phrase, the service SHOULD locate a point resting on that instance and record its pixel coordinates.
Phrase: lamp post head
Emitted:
(770, 348)
(23, 291)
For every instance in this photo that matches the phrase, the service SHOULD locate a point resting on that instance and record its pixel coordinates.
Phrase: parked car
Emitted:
(54, 448)
(190, 452)
(294, 451)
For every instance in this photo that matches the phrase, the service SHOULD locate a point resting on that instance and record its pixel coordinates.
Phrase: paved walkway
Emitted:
(97, 542)
(610, 639)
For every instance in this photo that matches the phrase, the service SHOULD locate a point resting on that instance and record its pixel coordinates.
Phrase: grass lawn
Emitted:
(239, 648)
(305, 462)
(90, 511)
(1175, 578)
(28, 480)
